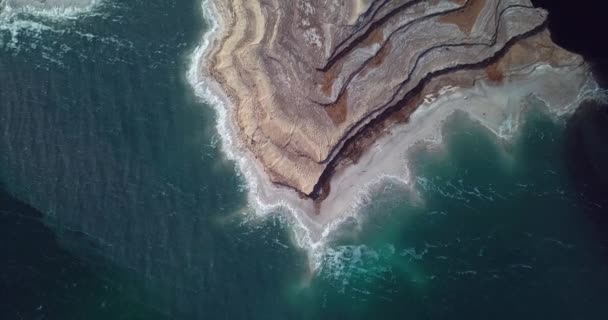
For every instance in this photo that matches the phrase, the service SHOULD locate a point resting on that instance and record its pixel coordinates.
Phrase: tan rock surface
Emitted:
(310, 80)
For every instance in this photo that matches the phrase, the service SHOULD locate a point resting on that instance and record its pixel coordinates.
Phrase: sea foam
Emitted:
(19, 17)
(50, 32)
(53, 9)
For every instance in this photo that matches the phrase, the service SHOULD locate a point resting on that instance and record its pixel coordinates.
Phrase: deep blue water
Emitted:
(117, 202)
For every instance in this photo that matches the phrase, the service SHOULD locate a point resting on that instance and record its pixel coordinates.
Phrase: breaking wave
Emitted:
(50, 33)
(54, 12)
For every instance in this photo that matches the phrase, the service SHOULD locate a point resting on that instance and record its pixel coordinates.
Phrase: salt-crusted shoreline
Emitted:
(497, 106)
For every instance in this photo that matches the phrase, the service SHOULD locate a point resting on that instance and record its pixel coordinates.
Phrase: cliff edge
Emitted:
(313, 82)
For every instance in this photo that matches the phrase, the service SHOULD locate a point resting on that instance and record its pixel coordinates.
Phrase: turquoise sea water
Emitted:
(117, 202)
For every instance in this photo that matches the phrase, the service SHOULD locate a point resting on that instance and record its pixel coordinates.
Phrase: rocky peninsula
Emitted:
(315, 87)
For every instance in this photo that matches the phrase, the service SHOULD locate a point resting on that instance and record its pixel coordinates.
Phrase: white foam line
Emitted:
(425, 126)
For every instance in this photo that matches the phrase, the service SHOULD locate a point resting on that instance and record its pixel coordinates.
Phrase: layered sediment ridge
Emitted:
(313, 83)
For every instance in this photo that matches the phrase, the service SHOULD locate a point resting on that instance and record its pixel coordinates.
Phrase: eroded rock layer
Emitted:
(310, 80)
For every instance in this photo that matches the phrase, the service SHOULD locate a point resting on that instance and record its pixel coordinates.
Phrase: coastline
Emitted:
(209, 91)
(388, 156)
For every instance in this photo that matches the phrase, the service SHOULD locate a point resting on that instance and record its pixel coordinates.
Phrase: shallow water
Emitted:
(141, 216)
